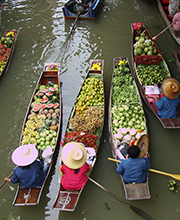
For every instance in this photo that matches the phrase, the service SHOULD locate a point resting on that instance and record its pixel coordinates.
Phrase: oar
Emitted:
(78, 14)
(155, 37)
(175, 176)
(6, 181)
(133, 208)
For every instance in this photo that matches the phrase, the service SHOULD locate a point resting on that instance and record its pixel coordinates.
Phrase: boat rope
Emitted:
(26, 197)
(65, 200)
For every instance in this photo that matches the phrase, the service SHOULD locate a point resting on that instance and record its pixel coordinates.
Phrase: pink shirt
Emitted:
(73, 181)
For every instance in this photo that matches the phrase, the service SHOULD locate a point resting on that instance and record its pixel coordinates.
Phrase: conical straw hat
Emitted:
(170, 88)
(74, 155)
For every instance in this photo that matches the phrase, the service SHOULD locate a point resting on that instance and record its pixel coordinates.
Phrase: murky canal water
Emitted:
(43, 30)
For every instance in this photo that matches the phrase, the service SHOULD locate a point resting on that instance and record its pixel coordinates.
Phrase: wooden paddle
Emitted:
(155, 37)
(6, 181)
(175, 176)
(133, 208)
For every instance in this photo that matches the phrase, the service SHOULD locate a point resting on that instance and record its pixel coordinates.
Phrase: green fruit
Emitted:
(149, 52)
(139, 51)
(137, 38)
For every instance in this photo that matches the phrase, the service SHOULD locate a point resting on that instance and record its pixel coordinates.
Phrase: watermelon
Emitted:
(44, 90)
(50, 106)
(36, 109)
(49, 94)
(37, 105)
(39, 94)
(52, 89)
(43, 106)
(56, 105)
(44, 100)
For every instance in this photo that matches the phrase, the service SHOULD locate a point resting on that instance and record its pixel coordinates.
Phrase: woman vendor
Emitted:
(167, 105)
(74, 166)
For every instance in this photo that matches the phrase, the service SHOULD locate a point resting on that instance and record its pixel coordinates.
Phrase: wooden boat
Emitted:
(87, 9)
(163, 8)
(4, 64)
(176, 54)
(149, 89)
(37, 109)
(86, 102)
(123, 134)
(1, 6)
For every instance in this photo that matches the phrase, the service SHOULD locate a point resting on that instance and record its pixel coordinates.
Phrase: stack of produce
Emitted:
(150, 67)
(86, 122)
(127, 115)
(5, 49)
(42, 124)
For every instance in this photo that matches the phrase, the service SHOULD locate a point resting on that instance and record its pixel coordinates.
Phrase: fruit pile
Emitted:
(42, 123)
(5, 45)
(150, 65)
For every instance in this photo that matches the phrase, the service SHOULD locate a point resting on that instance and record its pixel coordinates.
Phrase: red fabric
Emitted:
(72, 181)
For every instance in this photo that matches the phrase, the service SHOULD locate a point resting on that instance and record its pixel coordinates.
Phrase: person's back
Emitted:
(74, 179)
(74, 166)
(167, 105)
(29, 176)
(167, 108)
(134, 169)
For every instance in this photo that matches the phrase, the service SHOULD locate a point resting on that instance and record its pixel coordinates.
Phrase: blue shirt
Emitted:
(167, 108)
(134, 169)
(29, 178)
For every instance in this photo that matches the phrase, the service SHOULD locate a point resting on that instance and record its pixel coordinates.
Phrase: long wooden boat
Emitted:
(44, 108)
(163, 8)
(149, 72)
(1, 6)
(125, 103)
(87, 9)
(6, 50)
(176, 55)
(88, 108)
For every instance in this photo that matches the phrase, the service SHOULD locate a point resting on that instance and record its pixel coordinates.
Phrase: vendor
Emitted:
(167, 105)
(74, 166)
(29, 172)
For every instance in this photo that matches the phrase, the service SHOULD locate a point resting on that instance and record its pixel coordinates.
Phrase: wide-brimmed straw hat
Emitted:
(24, 155)
(143, 144)
(74, 155)
(170, 88)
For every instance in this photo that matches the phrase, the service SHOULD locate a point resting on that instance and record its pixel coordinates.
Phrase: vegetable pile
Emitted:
(127, 115)
(150, 66)
(87, 118)
(42, 124)
(5, 49)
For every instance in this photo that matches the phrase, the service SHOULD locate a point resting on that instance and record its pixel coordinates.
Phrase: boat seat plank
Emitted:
(137, 191)
(27, 196)
(66, 200)
(170, 122)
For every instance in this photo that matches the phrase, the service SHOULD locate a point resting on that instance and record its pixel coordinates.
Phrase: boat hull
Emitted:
(169, 123)
(132, 191)
(5, 69)
(30, 197)
(67, 200)
(163, 8)
(90, 13)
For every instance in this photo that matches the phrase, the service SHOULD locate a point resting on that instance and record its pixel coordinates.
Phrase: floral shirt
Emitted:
(174, 7)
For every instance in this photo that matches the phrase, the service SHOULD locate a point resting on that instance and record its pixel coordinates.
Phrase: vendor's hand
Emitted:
(146, 155)
(127, 156)
(6, 179)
